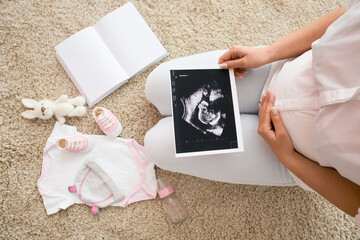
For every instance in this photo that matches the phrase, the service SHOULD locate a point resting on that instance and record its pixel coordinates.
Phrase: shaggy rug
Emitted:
(29, 32)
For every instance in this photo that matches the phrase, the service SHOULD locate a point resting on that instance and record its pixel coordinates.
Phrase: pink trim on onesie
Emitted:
(43, 174)
(150, 193)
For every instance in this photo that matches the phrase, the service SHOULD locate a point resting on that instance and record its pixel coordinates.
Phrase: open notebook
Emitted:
(101, 58)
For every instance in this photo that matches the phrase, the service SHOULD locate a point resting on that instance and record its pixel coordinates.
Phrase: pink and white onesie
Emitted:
(113, 172)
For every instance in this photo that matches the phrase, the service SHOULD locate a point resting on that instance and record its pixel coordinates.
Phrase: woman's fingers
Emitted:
(277, 122)
(233, 54)
(239, 72)
(272, 129)
(236, 63)
(233, 59)
(267, 101)
(225, 57)
(265, 128)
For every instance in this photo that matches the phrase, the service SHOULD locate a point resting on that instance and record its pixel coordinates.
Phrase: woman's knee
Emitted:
(159, 142)
(157, 89)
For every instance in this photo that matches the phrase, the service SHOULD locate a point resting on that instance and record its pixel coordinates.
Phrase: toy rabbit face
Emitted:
(41, 109)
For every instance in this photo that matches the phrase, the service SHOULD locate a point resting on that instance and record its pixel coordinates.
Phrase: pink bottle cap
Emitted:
(164, 188)
(95, 210)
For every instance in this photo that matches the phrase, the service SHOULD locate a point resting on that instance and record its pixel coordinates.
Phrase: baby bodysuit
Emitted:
(120, 163)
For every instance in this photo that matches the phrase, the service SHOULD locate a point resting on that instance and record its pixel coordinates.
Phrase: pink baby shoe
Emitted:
(74, 143)
(107, 122)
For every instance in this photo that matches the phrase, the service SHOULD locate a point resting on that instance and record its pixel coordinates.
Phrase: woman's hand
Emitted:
(272, 129)
(240, 57)
(326, 181)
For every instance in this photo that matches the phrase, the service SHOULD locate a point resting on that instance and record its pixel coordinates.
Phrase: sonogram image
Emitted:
(204, 109)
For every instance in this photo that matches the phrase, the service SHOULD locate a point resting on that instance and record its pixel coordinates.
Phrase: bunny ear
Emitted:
(29, 103)
(29, 114)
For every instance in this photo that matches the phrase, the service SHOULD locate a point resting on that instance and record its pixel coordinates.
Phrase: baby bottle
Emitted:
(172, 205)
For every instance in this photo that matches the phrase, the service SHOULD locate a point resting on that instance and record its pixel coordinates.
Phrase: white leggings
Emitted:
(256, 165)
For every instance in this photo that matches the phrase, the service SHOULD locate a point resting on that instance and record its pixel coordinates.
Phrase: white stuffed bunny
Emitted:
(62, 107)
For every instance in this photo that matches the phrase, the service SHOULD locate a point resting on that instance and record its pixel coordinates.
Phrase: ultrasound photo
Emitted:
(203, 111)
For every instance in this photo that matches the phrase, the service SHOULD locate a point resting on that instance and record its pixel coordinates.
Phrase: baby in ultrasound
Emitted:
(204, 109)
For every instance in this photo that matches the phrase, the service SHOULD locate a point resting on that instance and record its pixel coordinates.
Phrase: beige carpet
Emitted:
(29, 31)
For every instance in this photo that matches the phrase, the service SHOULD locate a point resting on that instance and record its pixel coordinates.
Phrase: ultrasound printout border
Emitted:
(176, 118)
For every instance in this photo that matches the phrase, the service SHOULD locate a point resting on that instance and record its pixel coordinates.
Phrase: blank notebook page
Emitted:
(130, 39)
(87, 59)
